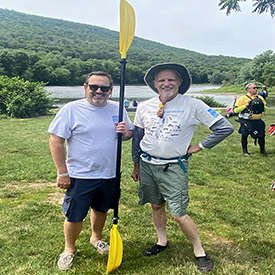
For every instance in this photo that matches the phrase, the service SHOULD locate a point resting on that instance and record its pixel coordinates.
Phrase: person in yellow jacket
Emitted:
(251, 122)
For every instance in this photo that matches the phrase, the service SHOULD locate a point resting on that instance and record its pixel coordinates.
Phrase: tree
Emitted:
(41, 72)
(268, 74)
(258, 63)
(245, 74)
(216, 77)
(260, 69)
(21, 63)
(7, 63)
(62, 76)
(261, 6)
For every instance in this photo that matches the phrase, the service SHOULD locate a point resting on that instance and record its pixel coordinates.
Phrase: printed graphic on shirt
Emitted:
(164, 129)
(115, 119)
(213, 113)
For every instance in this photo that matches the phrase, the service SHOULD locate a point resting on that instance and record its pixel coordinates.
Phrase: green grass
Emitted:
(236, 89)
(230, 201)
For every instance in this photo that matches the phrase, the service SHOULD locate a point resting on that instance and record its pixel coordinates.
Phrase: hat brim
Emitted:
(182, 70)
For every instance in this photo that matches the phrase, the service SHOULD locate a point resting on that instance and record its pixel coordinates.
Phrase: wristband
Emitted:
(201, 146)
(63, 175)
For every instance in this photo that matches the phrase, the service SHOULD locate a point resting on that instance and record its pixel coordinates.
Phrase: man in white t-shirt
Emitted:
(164, 127)
(89, 127)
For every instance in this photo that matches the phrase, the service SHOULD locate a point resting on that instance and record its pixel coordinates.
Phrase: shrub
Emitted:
(209, 100)
(23, 99)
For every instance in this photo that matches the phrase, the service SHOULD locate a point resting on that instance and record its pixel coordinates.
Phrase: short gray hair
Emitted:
(249, 85)
(100, 73)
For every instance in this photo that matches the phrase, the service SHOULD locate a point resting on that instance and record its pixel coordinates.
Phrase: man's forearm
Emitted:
(128, 135)
(59, 155)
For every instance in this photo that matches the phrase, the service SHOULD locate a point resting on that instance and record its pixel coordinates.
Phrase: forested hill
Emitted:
(62, 53)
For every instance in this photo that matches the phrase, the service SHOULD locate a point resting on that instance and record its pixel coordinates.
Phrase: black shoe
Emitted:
(205, 263)
(245, 153)
(263, 152)
(154, 250)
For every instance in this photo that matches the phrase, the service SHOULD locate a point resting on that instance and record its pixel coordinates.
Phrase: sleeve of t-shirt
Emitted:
(220, 130)
(137, 120)
(128, 120)
(206, 115)
(61, 125)
(137, 137)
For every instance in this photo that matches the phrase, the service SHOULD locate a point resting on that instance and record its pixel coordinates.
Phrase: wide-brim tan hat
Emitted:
(179, 68)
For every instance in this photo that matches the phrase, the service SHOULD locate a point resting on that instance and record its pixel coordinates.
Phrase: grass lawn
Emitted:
(237, 89)
(230, 201)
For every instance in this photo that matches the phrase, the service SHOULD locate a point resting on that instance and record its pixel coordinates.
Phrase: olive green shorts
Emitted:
(158, 186)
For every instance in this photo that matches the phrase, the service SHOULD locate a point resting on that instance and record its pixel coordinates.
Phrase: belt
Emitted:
(179, 159)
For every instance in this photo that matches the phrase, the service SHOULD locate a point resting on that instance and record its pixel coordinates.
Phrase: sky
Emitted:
(197, 25)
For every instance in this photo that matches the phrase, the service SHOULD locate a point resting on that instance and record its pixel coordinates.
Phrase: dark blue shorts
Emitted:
(83, 194)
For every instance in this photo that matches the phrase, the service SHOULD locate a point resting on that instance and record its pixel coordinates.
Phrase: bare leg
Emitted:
(97, 223)
(189, 228)
(160, 220)
(71, 233)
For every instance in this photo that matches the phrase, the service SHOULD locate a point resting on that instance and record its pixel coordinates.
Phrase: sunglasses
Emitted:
(255, 88)
(160, 111)
(96, 87)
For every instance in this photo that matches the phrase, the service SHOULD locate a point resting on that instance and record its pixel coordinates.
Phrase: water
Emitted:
(138, 93)
(65, 94)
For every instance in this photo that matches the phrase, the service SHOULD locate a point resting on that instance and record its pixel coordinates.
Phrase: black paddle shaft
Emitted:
(119, 141)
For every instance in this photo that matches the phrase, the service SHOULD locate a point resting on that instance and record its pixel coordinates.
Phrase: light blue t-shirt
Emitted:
(90, 137)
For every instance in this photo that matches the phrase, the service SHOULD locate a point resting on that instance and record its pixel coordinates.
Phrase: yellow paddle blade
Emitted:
(116, 250)
(127, 27)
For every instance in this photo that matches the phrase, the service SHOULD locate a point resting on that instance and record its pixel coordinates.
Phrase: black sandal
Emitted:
(205, 263)
(154, 250)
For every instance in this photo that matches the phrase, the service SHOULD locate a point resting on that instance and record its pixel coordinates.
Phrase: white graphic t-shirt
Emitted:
(171, 135)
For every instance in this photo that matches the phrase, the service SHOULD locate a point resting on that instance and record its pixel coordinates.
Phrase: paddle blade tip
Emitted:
(116, 250)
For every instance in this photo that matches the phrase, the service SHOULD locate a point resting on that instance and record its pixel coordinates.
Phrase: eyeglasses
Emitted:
(96, 87)
(160, 112)
(254, 88)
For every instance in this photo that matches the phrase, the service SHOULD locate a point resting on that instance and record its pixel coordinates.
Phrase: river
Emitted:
(138, 93)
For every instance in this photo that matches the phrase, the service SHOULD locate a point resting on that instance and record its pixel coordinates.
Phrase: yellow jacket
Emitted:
(240, 105)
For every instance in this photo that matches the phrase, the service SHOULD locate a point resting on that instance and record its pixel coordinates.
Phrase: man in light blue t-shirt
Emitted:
(87, 170)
